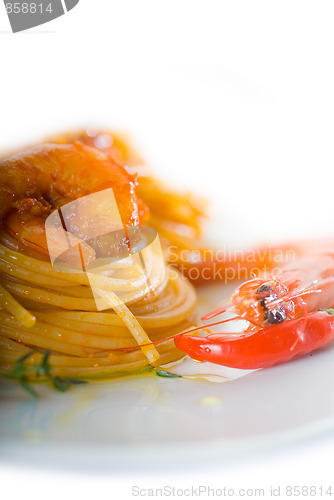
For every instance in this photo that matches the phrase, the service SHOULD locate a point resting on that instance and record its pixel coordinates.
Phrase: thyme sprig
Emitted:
(164, 373)
(329, 311)
(21, 372)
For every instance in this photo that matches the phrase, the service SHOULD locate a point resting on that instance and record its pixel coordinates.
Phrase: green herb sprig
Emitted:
(164, 373)
(329, 311)
(21, 371)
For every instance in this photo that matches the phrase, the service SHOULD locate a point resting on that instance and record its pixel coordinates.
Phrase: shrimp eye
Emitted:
(276, 316)
(265, 288)
(265, 292)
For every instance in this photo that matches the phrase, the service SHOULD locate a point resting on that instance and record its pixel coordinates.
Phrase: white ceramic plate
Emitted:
(150, 421)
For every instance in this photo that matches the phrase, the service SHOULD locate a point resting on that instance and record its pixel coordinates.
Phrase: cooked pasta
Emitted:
(84, 341)
(44, 309)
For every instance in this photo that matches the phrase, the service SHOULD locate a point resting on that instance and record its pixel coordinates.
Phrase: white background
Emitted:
(232, 99)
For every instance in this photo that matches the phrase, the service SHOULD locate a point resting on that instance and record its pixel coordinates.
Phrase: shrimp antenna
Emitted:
(214, 313)
(225, 305)
(195, 329)
(313, 288)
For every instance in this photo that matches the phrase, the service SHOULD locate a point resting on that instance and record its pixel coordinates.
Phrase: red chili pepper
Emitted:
(266, 347)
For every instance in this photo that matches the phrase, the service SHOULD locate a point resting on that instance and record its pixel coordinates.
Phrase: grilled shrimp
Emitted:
(36, 182)
(289, 314)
